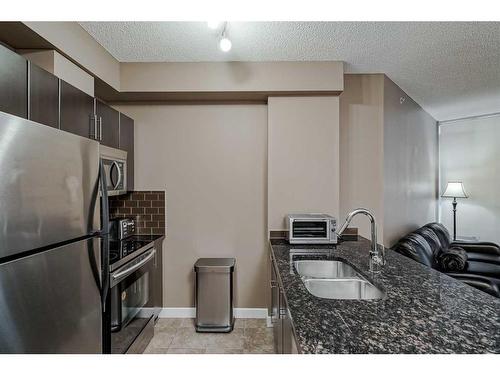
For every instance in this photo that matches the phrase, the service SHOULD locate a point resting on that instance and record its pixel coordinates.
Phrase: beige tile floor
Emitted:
(178, 336)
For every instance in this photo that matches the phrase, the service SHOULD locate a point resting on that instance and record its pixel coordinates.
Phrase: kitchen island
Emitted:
(424, 311)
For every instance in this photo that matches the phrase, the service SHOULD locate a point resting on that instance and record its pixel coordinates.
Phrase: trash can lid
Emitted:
(214, 264)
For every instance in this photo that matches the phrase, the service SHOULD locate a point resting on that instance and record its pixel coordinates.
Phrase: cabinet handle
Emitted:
(92, 127)
(95, 128)
(100, 128)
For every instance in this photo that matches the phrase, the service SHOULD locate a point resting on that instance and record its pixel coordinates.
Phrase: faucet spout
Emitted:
(377, 258)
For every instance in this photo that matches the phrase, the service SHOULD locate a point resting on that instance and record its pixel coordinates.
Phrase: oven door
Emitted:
(131, 294)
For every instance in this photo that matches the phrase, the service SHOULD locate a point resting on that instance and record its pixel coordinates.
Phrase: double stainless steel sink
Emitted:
(333, 279)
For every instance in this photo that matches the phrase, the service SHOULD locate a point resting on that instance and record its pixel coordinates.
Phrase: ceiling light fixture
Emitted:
(225, 44)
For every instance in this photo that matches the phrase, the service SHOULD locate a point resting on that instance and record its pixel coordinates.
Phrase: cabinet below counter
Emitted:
(284, 336)
(424, 311)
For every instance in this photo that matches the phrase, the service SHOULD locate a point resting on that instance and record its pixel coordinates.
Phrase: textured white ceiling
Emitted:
(451, 69)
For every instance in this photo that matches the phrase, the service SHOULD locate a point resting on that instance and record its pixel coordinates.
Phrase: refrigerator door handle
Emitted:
(104, 234)
(94, 266)
(104, 199)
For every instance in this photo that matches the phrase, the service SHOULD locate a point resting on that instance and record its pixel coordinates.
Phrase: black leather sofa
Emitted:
(482, 259)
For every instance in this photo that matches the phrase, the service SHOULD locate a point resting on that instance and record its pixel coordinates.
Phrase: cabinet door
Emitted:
(109, 125)
(277, 322)
(127, 144)
(44, 97)
(77, 111)
(158, 287)
(13, 83)
(288, 337)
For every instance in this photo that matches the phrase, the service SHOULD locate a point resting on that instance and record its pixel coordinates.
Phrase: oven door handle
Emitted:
(135, 267)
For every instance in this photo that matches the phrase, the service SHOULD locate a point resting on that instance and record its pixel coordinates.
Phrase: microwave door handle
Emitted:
(119, 180)
(136, 266)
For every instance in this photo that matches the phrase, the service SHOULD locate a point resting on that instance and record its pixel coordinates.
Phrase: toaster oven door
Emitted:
(310, 231)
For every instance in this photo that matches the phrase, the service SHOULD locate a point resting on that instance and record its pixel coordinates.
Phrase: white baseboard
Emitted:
(269, 322)
(177, 312)
(190, 312)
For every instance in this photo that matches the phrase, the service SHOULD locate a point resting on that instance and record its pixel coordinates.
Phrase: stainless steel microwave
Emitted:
(115, 168)
(312, 229)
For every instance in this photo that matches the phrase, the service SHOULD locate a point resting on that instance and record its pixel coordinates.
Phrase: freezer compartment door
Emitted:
(49, 186)
(50, 302)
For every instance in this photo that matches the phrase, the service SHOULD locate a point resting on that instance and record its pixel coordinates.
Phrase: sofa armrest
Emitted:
(489, 248)
(488, 285)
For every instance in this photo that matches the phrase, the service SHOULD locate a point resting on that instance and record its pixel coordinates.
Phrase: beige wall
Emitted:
(211, 160)
(410, 164)
(388, 157)
(469, 153)
(303, 157)
(361, 149)
(232, 76)
(61, 67)
(76, 43)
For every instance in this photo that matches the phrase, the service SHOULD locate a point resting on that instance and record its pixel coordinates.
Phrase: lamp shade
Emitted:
(454, 189)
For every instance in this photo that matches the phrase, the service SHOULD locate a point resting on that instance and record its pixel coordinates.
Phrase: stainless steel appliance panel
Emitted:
(50, 302)
(131, 294)
(49, 186)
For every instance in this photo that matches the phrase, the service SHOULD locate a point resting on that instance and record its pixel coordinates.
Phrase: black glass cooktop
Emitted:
(121, 249)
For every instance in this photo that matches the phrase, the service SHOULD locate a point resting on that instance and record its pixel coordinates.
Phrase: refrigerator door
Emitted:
(50, 302)
(49, 186)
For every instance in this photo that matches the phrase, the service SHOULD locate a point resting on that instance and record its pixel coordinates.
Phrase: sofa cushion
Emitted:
(415, 246)
(432, 239)
(441, 232)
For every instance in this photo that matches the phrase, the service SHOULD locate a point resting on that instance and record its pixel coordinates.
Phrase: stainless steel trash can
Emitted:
(214, 294)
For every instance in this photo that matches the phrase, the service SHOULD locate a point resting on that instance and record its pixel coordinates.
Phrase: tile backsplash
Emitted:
(146, 207)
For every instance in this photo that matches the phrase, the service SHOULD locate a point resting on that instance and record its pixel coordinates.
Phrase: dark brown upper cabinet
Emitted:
(127, 144)
(13, 83)
(77, 112)
(108, 125)
(44, 96)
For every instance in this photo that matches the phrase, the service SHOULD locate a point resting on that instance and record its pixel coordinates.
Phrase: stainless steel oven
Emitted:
(115, 168)
(131, 296)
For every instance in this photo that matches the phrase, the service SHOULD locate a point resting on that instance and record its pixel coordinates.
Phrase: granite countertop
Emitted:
(425, 311)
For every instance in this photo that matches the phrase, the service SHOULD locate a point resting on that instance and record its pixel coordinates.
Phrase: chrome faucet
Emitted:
(377, 259)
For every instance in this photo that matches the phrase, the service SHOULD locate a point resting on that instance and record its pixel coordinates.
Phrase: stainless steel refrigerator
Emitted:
(50, 250)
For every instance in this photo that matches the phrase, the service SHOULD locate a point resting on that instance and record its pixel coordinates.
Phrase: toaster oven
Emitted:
(120, 229)
(312, 229)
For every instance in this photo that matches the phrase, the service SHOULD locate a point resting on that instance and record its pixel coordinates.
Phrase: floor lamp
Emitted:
(454, 189)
